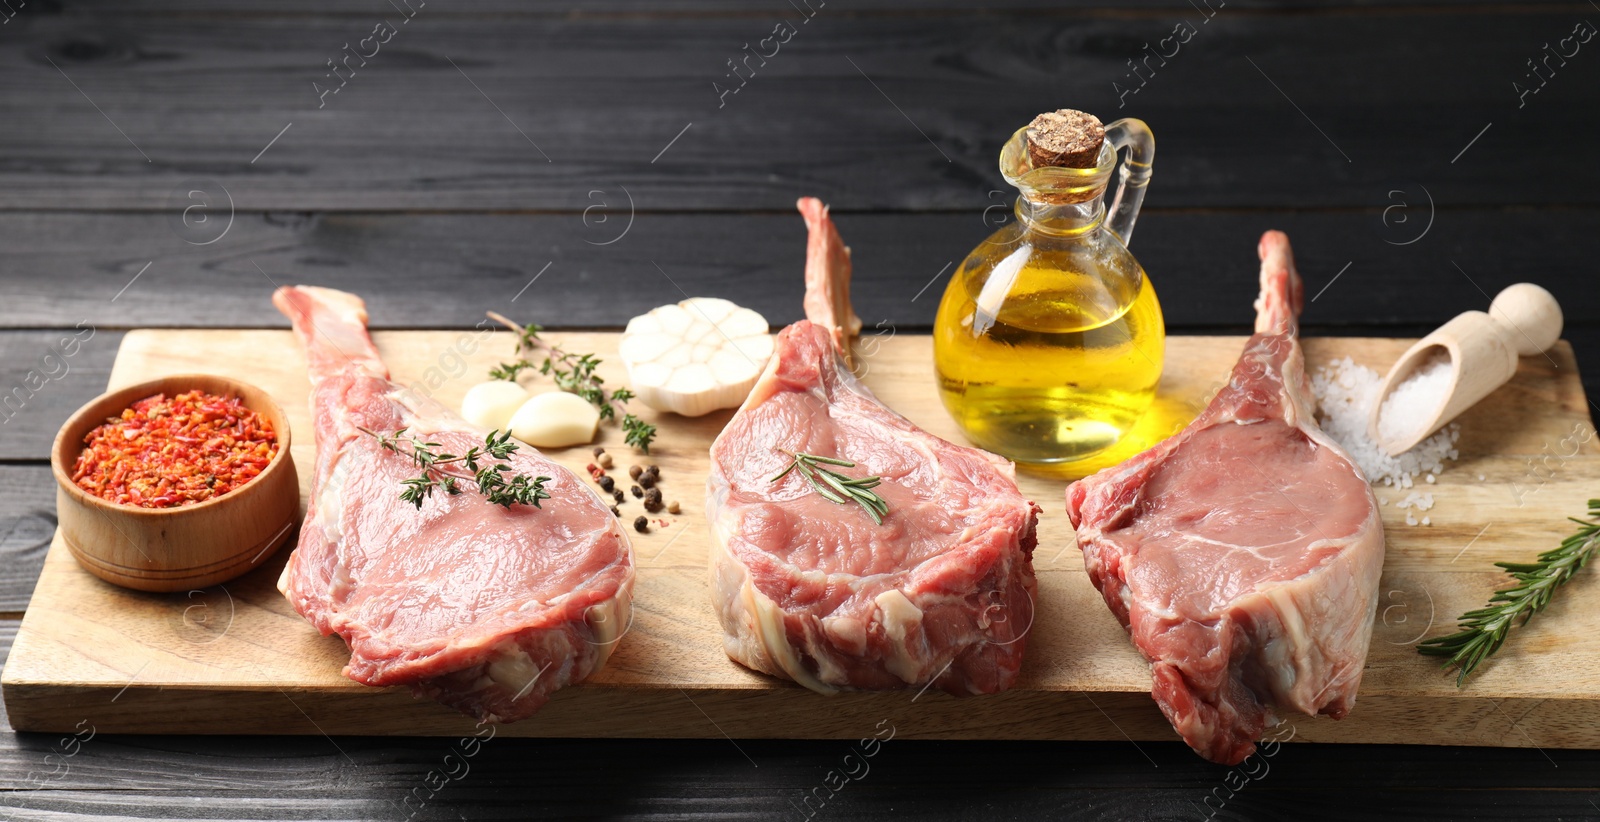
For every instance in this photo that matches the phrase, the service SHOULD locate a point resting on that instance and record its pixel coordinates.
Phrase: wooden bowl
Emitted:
(191, 546)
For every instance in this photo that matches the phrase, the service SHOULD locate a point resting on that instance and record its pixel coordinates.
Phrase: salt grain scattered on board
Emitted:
(1421, 502)
(1345, 392)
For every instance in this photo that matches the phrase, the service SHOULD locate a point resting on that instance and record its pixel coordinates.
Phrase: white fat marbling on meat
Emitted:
(846, 632)
(515, 671)
(823, 593)
(609, 621)
(1244, 553)
(492, 631)
(900, 618)
(330, 498)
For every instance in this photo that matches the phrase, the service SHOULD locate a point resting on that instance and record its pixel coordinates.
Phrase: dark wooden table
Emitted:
(1416, 157)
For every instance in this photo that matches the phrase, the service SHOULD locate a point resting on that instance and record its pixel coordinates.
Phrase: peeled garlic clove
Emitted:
(554, 420)
(491, 404)
(695, 357)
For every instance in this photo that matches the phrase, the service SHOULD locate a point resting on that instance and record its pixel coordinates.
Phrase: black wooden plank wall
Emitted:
(534, 113)
(1417, 158)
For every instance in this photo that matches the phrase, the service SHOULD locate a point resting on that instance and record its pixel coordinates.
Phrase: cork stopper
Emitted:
(1066, 138)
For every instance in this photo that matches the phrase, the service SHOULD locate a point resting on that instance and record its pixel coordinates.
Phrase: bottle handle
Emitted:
(1134, 137)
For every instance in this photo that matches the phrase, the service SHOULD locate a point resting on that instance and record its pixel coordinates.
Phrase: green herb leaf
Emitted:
(1484, 630)
(508, 371)
(638, 433)
(439, 470)
(836, 487)
(528, 336)
(575, 374)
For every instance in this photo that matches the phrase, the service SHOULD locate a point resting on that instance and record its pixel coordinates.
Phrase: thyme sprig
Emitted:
(637, 433)
(1484, 630)
(573, 373)
(837, 487)
(485, 467)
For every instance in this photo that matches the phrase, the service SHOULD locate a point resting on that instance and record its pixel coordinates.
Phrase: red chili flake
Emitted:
(595, 471)
(163, 453)
(661, 523)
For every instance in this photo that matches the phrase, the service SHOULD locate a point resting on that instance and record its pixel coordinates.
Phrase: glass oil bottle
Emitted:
(1048, 343)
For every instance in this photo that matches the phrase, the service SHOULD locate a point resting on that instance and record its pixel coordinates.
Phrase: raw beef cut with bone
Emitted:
(487, 609)
(941, 592)
(1243, 553)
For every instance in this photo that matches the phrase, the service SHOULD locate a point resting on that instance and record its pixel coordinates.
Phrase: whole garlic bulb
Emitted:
(696, 356)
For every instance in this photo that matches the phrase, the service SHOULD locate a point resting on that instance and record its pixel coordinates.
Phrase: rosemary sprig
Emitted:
(485, 463)
(837, 487)
(1484, 630)
(573, 373)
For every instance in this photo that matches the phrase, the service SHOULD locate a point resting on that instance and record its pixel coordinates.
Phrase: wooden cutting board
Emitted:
(235, 659)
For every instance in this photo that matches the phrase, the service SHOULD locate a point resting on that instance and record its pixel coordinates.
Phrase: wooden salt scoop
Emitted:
(1523, 320)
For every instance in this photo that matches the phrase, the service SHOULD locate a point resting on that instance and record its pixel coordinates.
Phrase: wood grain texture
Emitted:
(674, 7)
(295, 777)
(241, 649)
(27, 524)
(209, 109)
(44, 377)
(444, 270)
(916, 126)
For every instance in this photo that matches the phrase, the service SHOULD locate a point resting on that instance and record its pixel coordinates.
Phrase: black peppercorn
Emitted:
(617, 495)
(636, 491)
(607, 483)
(652, 500)
(647, 479)
(642, 525)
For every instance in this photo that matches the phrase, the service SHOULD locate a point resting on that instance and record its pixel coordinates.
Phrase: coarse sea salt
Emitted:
(1345, 392)
(1413, 402)
(1421, 502)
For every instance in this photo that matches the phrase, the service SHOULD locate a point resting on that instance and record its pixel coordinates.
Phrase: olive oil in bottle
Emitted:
(1048, 343)
(1061, 368)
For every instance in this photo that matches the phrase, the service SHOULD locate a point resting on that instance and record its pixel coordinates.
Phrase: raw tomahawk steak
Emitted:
(817, 592)
(1243, 553)
(483, 608)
